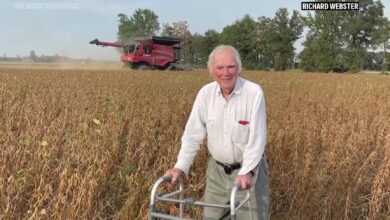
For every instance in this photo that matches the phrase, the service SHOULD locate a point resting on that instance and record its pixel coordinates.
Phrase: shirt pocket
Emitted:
(240, 133)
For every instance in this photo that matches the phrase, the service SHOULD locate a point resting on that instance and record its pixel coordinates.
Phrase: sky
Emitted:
(65, 27)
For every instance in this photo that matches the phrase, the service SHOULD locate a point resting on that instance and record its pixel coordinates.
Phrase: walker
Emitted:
(172, 197)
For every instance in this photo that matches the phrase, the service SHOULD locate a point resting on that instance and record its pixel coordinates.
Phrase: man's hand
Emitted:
(245, 180)
(175, 173)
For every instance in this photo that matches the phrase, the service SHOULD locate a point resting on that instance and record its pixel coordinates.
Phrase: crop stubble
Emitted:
(83, 144)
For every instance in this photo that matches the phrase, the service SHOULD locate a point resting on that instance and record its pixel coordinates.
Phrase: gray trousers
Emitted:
(219, 186)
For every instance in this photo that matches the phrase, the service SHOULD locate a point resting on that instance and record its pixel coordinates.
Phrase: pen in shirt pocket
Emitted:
(243, 122)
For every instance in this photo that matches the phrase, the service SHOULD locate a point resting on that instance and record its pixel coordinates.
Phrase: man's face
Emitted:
(224, 70)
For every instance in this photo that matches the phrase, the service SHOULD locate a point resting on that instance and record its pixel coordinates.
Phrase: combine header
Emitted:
(161, 53)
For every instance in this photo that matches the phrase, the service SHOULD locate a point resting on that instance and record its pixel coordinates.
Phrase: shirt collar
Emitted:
(237, 88)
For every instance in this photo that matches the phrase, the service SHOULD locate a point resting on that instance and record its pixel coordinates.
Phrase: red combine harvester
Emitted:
(162, 53)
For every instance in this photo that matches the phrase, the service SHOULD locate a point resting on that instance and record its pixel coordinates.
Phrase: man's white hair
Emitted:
(219, 49)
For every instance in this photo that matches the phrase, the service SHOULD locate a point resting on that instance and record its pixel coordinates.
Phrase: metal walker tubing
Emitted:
(233, 206)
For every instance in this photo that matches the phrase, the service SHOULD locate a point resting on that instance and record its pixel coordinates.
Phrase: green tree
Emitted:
(203, 45)
(323, 46)
(267, 43)
(167, 31)
(339, 40)
(381, 38)
(385, 41)
(360, 28)
(242, 35)
(198, 58)
(373, 61)
(143, 23)
(180, 30)
(286, 32)
(265, 35)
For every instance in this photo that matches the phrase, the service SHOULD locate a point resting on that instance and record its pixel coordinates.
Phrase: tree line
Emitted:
(335, 41)
(33, 57)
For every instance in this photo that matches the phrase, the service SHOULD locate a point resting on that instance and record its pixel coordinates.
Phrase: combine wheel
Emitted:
(144, 67)
(171, 68)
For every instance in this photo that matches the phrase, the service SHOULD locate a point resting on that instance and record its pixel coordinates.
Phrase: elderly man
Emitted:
(231, 111)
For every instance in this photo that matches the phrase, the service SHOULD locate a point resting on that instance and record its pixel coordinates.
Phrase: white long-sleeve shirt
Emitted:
(235, 128)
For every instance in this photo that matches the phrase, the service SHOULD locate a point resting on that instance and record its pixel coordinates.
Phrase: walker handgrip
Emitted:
(233, 202)
(237, 185)
(167, 178)
(153, 196)
(161, 180)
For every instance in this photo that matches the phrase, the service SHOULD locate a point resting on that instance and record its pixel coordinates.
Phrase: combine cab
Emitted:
(161, 53)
